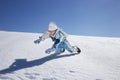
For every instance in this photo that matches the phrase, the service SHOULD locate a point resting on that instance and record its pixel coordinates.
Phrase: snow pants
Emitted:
(58, 48)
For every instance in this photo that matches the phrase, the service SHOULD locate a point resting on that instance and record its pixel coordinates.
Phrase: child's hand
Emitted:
(37, 41)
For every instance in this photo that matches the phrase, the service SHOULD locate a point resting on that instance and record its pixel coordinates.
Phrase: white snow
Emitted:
(21, 59)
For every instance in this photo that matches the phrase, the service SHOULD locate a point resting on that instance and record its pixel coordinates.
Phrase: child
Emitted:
(59, 38)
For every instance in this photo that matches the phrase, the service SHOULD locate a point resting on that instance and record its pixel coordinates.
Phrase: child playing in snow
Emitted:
(58, 36)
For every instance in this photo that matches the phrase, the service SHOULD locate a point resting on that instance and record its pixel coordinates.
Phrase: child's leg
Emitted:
(60, 48)
(71, 49)
(68, 46)
(65, 45)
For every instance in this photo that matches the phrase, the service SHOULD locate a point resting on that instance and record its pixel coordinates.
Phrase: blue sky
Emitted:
(76, 17)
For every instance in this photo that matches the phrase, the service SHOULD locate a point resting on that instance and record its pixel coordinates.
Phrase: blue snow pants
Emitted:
(58, 47)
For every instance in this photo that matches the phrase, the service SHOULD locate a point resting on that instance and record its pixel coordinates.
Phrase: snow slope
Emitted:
(21, 59)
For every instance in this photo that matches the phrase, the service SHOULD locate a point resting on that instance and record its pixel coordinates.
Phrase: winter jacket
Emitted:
(58, 37)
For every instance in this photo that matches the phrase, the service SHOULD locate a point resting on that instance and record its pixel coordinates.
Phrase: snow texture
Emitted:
(21, 59)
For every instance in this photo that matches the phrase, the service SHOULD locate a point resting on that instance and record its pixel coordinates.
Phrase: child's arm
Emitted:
(45, 36)
(42, 38)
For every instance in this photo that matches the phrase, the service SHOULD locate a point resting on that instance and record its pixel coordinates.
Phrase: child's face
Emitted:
(52, 32)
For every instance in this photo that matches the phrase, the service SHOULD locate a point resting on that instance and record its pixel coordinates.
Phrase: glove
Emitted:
(37, 41)
(49, 50)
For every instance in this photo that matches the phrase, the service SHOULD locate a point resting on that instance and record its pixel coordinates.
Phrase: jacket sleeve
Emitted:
(45, 36)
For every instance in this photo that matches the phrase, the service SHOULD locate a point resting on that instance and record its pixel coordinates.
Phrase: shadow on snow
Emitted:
(23, 63)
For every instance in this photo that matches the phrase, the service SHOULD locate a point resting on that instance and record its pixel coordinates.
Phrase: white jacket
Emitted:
(60, 34)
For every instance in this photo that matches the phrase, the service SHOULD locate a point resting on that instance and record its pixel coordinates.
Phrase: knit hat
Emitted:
(52, 26)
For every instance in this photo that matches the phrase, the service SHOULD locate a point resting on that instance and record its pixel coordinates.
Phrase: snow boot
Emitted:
(76, 49)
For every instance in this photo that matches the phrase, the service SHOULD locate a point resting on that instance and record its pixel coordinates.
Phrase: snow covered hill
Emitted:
(21, 59)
